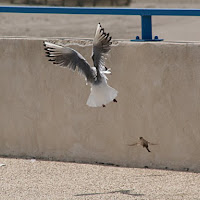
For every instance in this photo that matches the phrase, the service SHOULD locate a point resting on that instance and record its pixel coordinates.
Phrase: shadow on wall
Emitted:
(75, 2)
(127, 192)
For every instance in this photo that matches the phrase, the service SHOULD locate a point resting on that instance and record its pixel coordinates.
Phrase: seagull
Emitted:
(101, 93)
(144, 143)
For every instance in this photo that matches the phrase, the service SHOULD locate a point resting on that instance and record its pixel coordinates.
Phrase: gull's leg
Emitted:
(115, 100)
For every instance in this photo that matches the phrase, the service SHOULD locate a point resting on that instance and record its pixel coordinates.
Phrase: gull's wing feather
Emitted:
(68, 57)
(101, 46)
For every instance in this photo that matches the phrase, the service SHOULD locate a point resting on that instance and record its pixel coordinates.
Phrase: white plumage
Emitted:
(101, 93)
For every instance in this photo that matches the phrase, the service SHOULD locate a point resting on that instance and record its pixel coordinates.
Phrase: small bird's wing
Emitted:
(152, 143)
(68, 57)
(133, 144)
(101, 46)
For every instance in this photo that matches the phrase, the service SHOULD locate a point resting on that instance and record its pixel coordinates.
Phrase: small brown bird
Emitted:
(144, 143)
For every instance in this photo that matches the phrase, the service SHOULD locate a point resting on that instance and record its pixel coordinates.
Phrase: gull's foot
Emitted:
(104, 105)
(114, 100)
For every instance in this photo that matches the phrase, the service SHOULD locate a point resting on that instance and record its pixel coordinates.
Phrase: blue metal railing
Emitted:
(145, 13)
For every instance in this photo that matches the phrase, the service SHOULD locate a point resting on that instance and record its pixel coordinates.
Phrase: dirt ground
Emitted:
(32, 179)
(120, 27)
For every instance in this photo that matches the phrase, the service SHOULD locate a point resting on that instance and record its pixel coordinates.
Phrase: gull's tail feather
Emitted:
(101, 94)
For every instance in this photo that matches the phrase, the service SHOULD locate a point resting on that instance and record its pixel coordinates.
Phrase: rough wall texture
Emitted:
(43, 111)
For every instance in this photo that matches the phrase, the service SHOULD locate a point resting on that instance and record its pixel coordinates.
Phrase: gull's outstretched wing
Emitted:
(68, 57)
(101, 46)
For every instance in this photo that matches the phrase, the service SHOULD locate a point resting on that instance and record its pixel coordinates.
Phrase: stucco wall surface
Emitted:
(43, 110)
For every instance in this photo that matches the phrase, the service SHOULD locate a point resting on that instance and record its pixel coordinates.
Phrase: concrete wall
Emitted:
(43, 110)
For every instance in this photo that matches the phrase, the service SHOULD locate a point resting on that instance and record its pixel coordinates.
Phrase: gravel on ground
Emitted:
(32, 179)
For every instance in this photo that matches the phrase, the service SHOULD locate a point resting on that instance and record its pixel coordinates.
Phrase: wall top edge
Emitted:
(88, 41)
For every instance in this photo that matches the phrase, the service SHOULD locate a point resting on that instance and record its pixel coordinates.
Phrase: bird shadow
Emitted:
(127, 192)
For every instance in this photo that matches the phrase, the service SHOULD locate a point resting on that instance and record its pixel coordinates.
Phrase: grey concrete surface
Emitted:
(47, 180)
(43, 110)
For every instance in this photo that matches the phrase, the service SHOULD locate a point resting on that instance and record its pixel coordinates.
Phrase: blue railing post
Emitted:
(146, 30)
(146, 27)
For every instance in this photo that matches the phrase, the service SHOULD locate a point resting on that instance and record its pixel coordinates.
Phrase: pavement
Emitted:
(32, 179)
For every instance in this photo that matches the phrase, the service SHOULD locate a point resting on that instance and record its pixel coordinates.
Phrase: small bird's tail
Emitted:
(101, 95)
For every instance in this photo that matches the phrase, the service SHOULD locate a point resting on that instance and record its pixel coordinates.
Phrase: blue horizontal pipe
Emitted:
(99, 11)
